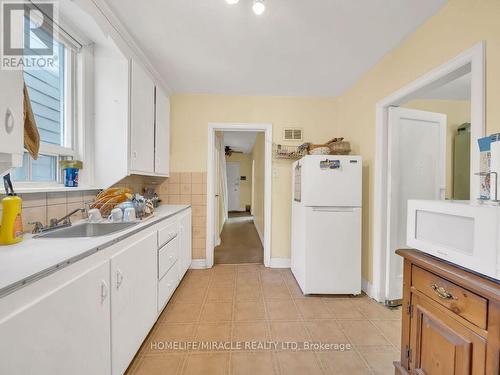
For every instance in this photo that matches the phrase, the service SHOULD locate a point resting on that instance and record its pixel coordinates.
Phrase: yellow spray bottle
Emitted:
(11, 229)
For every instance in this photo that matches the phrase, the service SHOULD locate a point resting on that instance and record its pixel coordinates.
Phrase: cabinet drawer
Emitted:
(167, 233)
(167, 256)
(460, 301)
(167, 285)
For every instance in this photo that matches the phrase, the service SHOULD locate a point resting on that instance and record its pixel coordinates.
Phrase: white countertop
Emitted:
(35, 257)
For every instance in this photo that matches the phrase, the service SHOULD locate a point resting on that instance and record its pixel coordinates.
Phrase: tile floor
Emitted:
(233, 304)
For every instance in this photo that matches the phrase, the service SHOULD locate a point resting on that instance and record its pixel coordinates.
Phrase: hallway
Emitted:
(240, 242)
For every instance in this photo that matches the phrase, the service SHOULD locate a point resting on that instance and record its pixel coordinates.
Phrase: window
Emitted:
(52, 95)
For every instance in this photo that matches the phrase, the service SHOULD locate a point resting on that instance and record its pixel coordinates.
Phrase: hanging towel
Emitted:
(31, 135)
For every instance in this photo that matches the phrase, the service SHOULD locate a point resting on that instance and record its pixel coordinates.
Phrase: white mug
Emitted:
(129, 214)
(94, 215)
(116, 215)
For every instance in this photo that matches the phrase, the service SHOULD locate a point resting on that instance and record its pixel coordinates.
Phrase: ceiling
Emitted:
(297, 47)
(240, 141)
(458, 89)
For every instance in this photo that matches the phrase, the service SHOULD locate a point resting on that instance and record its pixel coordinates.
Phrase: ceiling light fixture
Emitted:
(232, 2)
(258, 7)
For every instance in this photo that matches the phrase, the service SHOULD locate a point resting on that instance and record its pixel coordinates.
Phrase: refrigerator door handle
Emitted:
(335, 209)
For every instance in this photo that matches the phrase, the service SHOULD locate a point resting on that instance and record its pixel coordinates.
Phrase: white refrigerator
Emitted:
(326, 224)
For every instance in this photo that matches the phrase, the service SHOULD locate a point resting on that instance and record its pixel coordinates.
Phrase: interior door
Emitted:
(416, 170)
(233, 185)
(141, 120)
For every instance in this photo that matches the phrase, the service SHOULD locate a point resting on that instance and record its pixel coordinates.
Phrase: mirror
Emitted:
(450, 102)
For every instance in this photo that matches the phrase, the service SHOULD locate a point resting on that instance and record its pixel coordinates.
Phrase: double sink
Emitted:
(86, 230)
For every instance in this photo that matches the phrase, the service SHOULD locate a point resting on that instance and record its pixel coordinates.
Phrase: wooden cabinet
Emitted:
(142, 91)
(133, 299)
(162, 133)
(451, 319)
(11, 119)
(65, 331)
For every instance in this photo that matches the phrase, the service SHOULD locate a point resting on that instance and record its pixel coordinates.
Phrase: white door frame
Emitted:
(268, 133)
(472, 60)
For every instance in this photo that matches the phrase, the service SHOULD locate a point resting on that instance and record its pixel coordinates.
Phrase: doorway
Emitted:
(239, 193)
(396, 165)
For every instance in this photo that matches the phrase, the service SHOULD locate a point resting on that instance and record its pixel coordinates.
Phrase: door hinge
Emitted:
(408, 353)
(409, 309)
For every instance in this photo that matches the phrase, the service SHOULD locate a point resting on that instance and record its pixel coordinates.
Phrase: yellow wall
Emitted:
(458, 26)
(258, 157)
(457, 113)
(245, 161)
(191, 114)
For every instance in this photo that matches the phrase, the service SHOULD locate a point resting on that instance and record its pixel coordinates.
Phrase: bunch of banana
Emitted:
(108, 199)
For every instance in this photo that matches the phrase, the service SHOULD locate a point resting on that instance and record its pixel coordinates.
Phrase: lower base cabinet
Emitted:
(133, 299)
(451, 319)
(66, 331)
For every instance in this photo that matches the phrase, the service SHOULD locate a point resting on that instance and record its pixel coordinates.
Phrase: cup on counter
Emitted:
(116, 215)
(129, 214)
(94, 215)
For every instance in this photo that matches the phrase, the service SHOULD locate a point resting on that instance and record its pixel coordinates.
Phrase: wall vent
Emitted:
(293, 134)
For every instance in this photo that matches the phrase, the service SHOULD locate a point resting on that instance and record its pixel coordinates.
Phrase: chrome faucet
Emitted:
(65, 221)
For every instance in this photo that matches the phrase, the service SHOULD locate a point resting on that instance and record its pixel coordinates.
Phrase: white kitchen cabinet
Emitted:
(11, 119)
(142, 119)
(162, 133)
(185, 242)
(65, 331)
(133, 299)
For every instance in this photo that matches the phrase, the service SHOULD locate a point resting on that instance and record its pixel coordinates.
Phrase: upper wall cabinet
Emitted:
(132, 120)
(142, 119)
(162, 133)
(11, 120)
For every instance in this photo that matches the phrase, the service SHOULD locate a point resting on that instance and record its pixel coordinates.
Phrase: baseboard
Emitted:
(198, 264)
(258, 232)
(367, 287)
(280, 263)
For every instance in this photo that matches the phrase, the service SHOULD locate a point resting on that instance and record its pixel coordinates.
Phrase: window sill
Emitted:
(50, 189)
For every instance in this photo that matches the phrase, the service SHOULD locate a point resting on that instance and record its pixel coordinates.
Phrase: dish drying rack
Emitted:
(106, 208)
(288, 152)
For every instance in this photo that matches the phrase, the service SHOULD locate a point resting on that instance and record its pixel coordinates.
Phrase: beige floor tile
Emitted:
(276, 291)
(381, 363)
(312, 308)
(210, 332)
(288, 331)
(249, 311)
(248, 293)
(167, 364)
(182, 312)
(373, 310)
(271, 276)
(327, 331)
(245, 268)
(342, 309)
(216, 312)
(189, 295)
(223, 279)
(362, 332)
(248, 278)
(391, 329)
(282, 310)
(169, 333)
(252, 364)
(220, 294)
(294, 288)
(225, 269)
(207, 364)
(344, 363)
(250, 331)
(299, 363)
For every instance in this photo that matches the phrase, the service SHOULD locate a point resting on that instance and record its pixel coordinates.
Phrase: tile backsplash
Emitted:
(44, 206)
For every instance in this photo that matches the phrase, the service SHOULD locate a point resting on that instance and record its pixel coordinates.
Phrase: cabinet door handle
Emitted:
(104, 291)
(442, 292)
(9, 121)
(119, 279)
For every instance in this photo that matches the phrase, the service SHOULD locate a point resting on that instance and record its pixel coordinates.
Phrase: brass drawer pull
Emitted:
(441, 292)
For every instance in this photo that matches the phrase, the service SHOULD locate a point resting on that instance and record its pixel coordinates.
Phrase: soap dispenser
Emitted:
(11, 229)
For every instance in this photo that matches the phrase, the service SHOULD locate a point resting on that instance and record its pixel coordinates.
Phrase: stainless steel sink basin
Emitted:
(86, 230)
